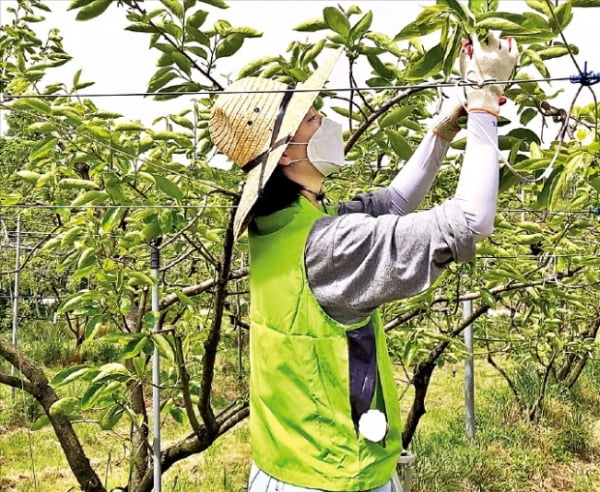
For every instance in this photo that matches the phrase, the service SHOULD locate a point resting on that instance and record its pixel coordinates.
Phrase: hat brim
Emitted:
(298, 106)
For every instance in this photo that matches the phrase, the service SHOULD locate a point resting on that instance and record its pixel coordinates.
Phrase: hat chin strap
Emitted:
(319, 196)
(262, 157)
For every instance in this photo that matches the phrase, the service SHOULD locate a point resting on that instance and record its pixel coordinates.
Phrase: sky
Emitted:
(120, 61)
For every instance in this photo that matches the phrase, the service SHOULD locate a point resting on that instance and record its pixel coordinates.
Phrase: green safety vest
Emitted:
(303, 413)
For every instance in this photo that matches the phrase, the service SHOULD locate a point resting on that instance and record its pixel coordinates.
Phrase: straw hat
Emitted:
(252, 126)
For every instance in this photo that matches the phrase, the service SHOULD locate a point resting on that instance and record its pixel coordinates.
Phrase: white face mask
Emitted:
(325, 149)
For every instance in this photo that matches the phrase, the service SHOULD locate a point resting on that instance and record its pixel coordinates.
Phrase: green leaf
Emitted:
(42, 127)
(42, 148)
(553, 52)
(336, 21)
(216, 3)
(164, 347)
(182, 62)
(29, 176)
(168, 187)
(197, 18)
(528, 239)
(130, 126)
(362, 26)
(499, 24)
(76, 4)
(399, 144)
(94, 197)
(540, 6)
(66, 406)
(141, 27)
(564, 14)
(252, 67)
(178, 415)
(429, 64)
(487, 297)
(70, 374)
(110, 417)
(229, 45)
(396, 115)
(90, 396)
(112, 218)
(160, 78)
(93, 326)
(113, 371)
(33, 103)
(77, 184)
(247, 32)
(87, 257)
(134, 346)
(527, 116)
(40, 422)
(482, 6)
(94, 9)
(139, 278)
(458, 9)
(313, 52)
(312, 25)
(410, 349)
(380, 68)
(346, 114)
(174, 6)
(180, 120)
(428, 21)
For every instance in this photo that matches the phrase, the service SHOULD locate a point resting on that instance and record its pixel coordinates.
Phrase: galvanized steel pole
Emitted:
(469, 373)
(15, 311)
(155, 265)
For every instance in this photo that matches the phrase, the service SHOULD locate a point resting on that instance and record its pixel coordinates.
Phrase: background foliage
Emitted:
(106, 190)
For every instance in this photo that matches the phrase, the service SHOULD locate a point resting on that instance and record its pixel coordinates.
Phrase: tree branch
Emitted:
(377, 113)
(16, 382)
(212, 341)
(174, 44)
(194, 290)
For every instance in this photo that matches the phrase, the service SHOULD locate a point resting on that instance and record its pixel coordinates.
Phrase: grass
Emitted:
(560, 452)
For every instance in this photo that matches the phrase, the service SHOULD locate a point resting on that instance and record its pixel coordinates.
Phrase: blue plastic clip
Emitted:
(586, 78)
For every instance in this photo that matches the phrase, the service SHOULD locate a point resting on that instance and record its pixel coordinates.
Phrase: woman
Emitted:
(324, 410)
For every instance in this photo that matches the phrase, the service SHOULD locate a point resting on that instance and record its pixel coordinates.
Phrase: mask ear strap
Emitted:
(261, 159)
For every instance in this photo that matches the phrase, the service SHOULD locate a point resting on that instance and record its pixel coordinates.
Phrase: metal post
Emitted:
(403, 480)
(155, 265)
(15, 312)
(469, 373)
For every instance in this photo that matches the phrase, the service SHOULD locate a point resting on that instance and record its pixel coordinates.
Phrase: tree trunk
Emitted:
(39, 387)
(420, 381)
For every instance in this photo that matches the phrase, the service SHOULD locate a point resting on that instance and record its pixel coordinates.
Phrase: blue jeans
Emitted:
(259, 481)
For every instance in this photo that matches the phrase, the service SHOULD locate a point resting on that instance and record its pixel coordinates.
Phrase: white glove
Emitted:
(490, 59)
(445, 125)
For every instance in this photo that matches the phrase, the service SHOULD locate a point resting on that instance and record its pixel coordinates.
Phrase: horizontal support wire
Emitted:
(595, 211)
(429, 85)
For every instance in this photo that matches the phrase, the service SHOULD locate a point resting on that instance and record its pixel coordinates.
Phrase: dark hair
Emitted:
(278, 193)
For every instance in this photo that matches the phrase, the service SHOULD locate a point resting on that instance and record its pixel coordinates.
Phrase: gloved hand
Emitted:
(445, 125)
(485, 60)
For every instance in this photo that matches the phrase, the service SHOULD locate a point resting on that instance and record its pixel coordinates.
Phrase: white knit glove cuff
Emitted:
(445, 125)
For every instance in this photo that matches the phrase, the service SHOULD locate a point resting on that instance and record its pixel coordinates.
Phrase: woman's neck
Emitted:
(313, 197)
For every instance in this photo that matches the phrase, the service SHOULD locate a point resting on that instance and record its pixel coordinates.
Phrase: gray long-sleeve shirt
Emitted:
(366, 256)
(377, 251)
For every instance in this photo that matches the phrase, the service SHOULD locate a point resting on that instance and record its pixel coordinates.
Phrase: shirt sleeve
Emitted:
(355, 262)
(408, 188)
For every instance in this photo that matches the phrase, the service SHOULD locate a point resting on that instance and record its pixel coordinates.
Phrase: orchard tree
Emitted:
(121, 189)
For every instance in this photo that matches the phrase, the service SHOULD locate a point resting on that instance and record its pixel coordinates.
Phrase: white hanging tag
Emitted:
(372, 425)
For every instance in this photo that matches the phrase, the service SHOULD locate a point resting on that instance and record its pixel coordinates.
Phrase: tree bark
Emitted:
(420, 381)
